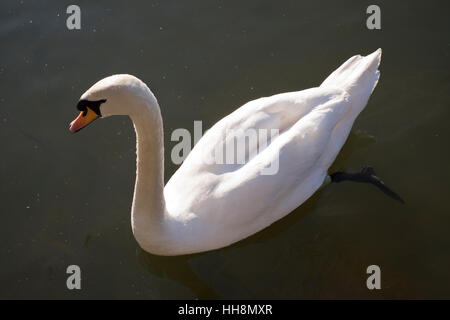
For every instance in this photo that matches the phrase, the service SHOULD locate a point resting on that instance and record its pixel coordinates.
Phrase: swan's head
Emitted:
(120, 94)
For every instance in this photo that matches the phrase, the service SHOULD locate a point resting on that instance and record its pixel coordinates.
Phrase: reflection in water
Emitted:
(357, 139)
(178, 269)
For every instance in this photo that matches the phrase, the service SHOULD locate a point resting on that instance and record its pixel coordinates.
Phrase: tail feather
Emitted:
(354, 71)
(358, 76)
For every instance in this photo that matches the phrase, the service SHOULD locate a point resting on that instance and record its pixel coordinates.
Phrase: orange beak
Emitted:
(83, 119)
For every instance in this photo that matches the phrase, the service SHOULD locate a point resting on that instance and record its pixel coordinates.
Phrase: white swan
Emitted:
(209, 206)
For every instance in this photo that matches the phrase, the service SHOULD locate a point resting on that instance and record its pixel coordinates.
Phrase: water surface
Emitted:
(65, 199)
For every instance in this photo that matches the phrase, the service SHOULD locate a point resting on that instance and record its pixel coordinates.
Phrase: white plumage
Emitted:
(207, 206)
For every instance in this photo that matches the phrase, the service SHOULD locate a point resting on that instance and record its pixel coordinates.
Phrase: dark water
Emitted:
(65, 199)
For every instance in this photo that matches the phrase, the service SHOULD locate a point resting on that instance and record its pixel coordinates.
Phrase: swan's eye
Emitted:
(84, 111)
(83, 105)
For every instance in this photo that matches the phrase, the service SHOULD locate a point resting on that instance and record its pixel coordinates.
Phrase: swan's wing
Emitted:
(293, 161)
(218, 150)
(305, 119)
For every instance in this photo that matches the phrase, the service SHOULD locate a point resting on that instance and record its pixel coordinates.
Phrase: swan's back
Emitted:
(223, 203)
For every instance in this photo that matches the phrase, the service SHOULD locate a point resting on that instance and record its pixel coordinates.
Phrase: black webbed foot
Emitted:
(366, 175)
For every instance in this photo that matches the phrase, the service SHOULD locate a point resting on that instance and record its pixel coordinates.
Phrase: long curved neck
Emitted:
(148, 203)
